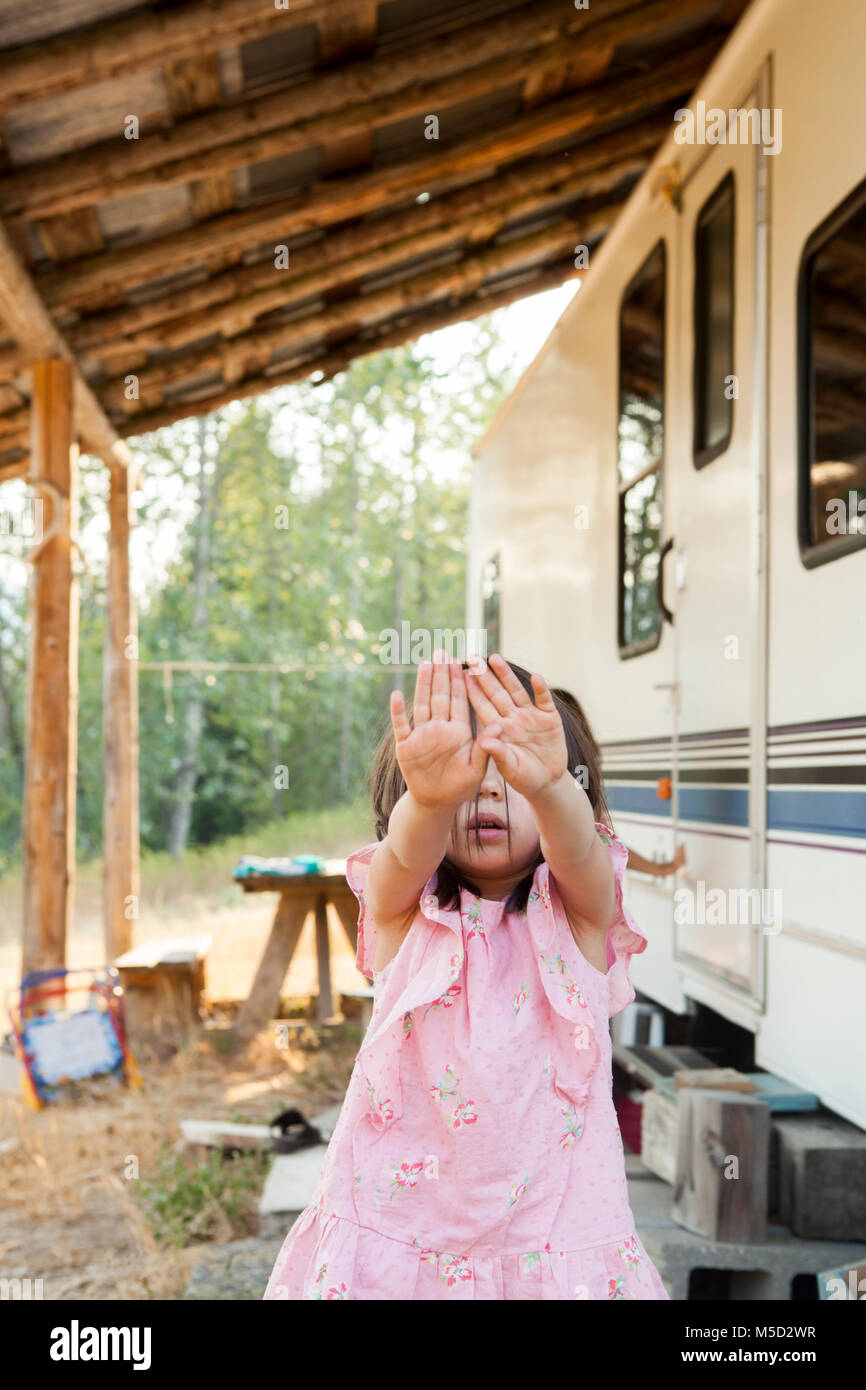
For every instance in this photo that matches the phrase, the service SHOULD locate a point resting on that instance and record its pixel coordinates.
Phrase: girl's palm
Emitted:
(441, 763)
(526, 740)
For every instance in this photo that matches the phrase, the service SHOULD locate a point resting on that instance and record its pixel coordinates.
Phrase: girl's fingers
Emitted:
(503, 756)
(440, 690)
(543, 697)
(509, 680)
(459, 698)
(489, 682)
(399, 718)
(484, 708)
(421, 704)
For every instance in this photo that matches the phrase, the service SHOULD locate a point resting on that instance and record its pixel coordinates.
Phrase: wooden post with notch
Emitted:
(120, 885)
(52, 683)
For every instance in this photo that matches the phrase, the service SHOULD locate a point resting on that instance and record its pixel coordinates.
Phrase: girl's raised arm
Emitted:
(442, 767)
(527, 743)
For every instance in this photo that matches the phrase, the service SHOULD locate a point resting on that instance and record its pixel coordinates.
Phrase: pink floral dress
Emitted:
(477, 1154)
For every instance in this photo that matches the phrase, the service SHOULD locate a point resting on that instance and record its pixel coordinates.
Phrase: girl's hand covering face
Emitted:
(525, 740)
(441, 763)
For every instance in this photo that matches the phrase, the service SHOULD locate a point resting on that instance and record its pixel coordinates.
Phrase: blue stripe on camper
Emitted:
(800, 809)
(642, 800)
(714, 805)
(822, 812)
(717, 805)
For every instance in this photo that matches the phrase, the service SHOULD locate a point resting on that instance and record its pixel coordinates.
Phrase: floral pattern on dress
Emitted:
(517, 1190)
(448, 1088)
(453, 1269)
(555, 965)
(520, 998)
(573, 1127)
(445, 1000)
(404, 1177)
(331, 1295)
(533, 1259)
(629, 1252)
(616, 1286)
(379, 1107)
(541, 895)
(473, 917)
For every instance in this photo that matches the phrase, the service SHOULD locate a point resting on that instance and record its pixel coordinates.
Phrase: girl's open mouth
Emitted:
(489, 827)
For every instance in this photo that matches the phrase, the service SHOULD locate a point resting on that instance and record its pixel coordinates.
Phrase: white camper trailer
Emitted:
(669, 518)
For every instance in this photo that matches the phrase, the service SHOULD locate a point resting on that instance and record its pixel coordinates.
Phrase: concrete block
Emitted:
(821, 1177)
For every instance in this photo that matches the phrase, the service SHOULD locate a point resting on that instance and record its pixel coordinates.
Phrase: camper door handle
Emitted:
(660, 582)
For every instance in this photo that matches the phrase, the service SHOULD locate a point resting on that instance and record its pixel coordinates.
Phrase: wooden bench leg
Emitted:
(324, 1003)
(264, 997)
(348, 915)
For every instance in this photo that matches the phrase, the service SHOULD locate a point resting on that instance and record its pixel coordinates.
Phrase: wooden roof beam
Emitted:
(231, 302)
(114, 272)
(145, 38)
(29, 322)
(19, 469)
(252, 351)
(337, 359)
(333, 105)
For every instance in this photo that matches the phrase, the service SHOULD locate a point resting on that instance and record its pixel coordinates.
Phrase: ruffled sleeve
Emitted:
(624, 938)
(357, 866)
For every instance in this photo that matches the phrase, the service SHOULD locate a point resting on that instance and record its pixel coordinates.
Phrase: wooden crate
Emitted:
(659, 1134)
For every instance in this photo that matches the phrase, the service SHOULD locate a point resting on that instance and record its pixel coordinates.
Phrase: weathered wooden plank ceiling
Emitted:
(257, 128)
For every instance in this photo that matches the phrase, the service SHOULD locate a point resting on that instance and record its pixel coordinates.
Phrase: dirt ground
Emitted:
(70, 1214)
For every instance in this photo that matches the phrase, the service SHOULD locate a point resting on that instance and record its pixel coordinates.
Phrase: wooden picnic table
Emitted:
(300, 895)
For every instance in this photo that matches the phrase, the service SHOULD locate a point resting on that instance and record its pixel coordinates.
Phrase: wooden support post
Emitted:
(52, 704)
(120, 723)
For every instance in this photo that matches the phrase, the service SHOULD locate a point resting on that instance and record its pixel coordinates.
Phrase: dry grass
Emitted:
(70, 1173)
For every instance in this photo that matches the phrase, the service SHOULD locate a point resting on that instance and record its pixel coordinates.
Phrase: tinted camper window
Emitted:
(641, 443)
(832, 331)
(714, 324)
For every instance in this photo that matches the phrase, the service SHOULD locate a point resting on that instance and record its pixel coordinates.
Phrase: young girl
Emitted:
(477, 1154)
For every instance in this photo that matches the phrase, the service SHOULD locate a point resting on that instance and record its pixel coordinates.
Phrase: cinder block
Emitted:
(821, 1174)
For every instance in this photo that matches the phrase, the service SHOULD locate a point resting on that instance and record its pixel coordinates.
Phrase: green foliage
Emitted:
(188, 1202)
(370, 472)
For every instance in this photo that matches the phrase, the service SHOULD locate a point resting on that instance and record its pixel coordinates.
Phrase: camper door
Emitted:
(712, 569)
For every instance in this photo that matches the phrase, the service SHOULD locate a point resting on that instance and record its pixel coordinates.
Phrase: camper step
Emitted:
(659, 1121)
(780, 1095)
(647, 1065)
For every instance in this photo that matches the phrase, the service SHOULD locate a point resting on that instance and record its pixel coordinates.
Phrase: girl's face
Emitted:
(486, 858)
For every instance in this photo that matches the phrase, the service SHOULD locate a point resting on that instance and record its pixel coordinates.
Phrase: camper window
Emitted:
(640, 449)
(714, 324)
(832, 370)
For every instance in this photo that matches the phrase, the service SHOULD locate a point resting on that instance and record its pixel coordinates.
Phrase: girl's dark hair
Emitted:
(584, 761)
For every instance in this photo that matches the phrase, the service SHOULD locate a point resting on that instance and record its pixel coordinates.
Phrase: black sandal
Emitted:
(295, 1132)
